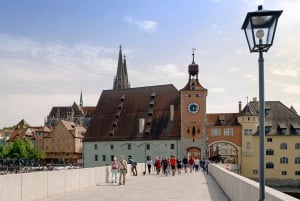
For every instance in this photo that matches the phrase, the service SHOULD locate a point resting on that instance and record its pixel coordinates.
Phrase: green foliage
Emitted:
(21, 149)
(2, 151)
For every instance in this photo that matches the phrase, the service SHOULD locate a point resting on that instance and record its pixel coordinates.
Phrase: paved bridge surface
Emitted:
(151, 187)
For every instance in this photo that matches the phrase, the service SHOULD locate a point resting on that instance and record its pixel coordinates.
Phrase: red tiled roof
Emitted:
(136, 105)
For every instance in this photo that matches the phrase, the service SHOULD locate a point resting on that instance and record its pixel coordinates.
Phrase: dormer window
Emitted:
(295, 128)
(123, 98)
(268, 127)
(147, 130)
(221, 119)
(149, 121)
(282, 128)
(267, 111)
(150, 112)
(153, 95)
(118, 114)
(152, 103)
(115, 123)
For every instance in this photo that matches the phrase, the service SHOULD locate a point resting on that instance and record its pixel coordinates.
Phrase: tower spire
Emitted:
(81, 100)
(193, 67)
(121, 79)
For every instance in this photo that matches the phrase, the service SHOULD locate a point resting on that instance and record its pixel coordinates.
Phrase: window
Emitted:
(103, 158)
(269, 140)
(284, 160)
(297, 146)
(270, 165)
(297, 160)
(283, 172)
(96, 157)
(297, 173)
(267, 129)
(111, 146)
(148, 146)
(247, 132)
(248, 145)
(129, 146)
(172, 146)
(255, 172)
(215, 132)
(95, 146)
(228, 132)
(269, 152)
(283, 146)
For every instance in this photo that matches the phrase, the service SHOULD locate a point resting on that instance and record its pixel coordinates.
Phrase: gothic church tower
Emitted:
(121, 79)
(193, 115)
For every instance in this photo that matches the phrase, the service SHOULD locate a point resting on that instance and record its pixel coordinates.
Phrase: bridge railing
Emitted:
(238, 188)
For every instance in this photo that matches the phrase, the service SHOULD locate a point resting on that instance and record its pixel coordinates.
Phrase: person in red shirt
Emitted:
(157, 165)
(191, 164)
(173, 165)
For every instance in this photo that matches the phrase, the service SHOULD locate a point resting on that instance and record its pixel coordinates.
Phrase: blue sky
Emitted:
(50, 50)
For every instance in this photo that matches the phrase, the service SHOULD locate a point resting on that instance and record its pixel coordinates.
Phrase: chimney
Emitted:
(254, 99)
(240, 106)
(171, 112)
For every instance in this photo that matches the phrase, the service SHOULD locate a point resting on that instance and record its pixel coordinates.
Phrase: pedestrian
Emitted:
(149, 164)
(173, 165)
(133, 166)
(191, 164)
(185, 164)
(166, 166)
(157, 165)
(179, 165)
(196, 164)
(122, 170)
(114, 170)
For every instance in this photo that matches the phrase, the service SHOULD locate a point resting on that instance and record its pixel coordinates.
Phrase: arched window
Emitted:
(269, 165)
(297, 160)
(283, 146)
(284, 160)
(269, 152)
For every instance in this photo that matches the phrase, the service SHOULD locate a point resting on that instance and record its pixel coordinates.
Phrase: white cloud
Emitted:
(144, 25)
(217, 90)
(290, 72)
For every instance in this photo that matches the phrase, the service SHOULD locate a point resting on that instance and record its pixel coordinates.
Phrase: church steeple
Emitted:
(81, 100)
(121, 79)
(193, 67)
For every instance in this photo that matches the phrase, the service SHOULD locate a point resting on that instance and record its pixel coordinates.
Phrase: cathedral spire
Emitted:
(121, 79)
(81, 100)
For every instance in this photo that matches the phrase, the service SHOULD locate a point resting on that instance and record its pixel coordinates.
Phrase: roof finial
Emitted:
(120, 47)
(193, 54)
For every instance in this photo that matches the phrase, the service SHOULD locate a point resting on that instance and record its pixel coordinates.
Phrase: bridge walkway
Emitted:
(184, 187)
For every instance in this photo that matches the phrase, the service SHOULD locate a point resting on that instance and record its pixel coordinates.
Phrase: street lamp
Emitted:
(260, 27)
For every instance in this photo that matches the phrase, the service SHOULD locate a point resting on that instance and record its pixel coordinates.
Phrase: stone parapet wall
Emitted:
(239, 188)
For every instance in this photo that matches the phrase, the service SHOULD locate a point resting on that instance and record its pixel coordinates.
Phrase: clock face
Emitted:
(193, 108)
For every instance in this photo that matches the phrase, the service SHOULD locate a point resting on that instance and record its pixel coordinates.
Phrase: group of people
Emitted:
(166, 165)
(172, 165)
(118, 167)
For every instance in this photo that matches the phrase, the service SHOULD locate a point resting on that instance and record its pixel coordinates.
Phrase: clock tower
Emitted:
(193, 115)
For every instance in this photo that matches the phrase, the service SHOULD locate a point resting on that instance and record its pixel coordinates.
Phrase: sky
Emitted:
(50, 50)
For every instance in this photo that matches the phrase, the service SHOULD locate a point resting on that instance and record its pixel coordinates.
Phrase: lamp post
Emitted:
(260, 27)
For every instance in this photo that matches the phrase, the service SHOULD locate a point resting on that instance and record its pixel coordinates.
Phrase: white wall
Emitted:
(239, 188)
(37, 185)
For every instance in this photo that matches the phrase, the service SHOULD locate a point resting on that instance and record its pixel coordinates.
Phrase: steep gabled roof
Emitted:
(278, 116)
(118, 113)
(222, 119)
